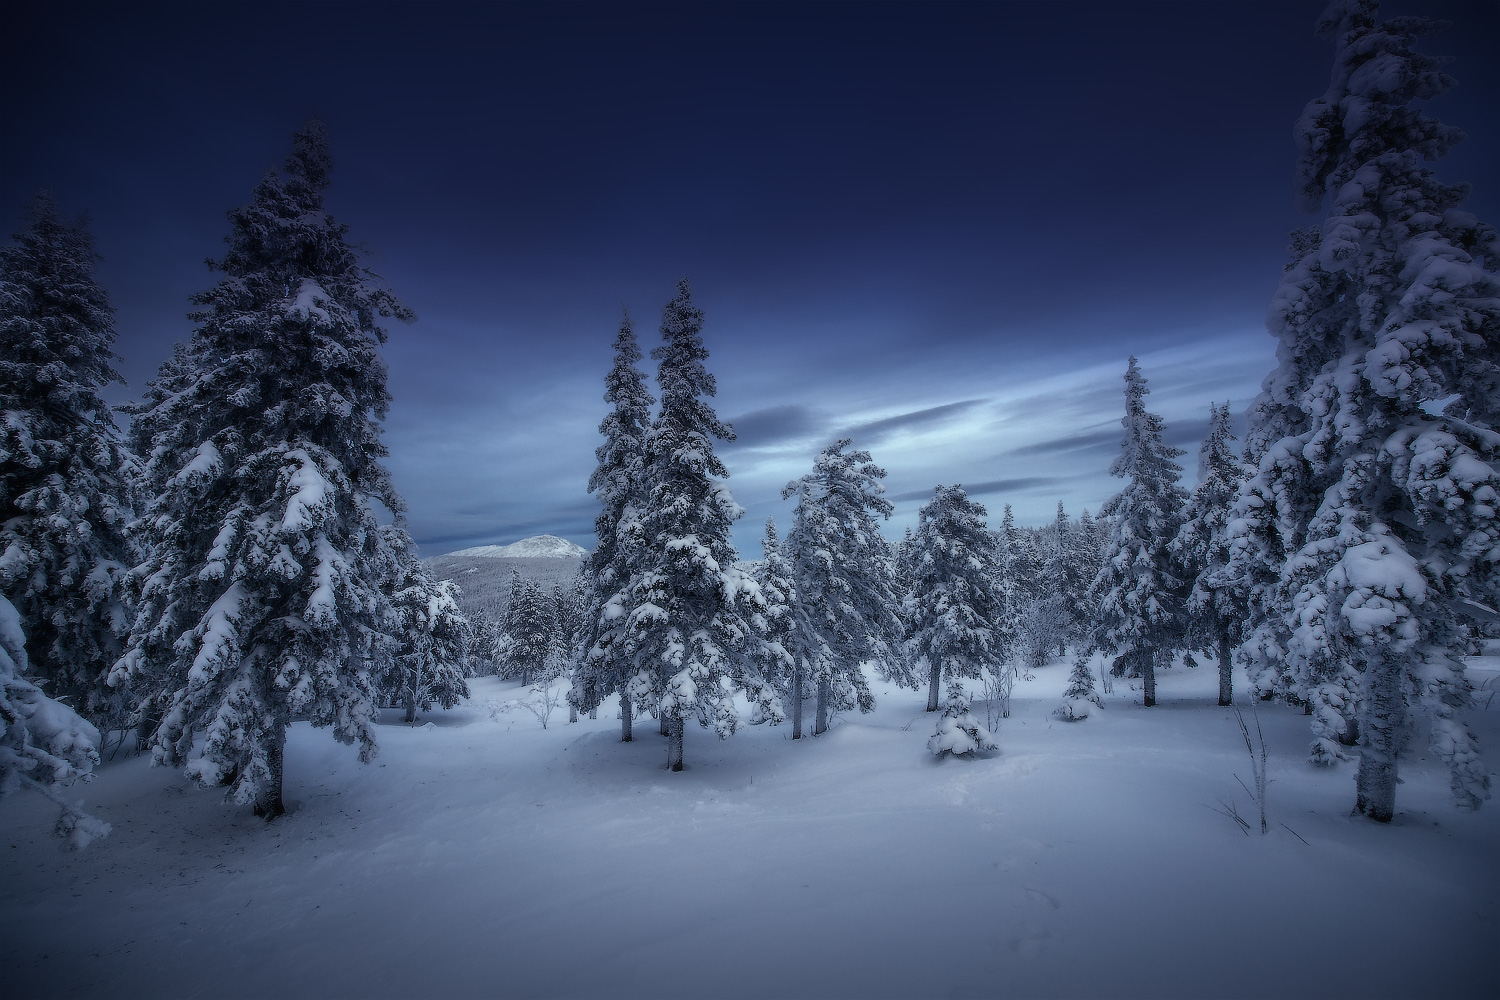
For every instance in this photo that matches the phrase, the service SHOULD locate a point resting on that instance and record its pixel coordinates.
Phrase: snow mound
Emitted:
(535, 547)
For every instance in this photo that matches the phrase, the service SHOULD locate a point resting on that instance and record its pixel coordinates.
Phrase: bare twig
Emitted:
(1257, 765)
(1294, 833)
(1234, 814)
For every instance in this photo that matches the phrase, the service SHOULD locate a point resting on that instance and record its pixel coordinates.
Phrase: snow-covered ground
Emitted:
(489, 857)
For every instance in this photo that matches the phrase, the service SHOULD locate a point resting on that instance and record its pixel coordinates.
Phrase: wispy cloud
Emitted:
(1020, 484)
(875, 431)
(776, 425)
(1089, 441)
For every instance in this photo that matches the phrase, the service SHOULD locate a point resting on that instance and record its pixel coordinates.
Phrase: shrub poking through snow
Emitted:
(1080, 699)
(958, 732)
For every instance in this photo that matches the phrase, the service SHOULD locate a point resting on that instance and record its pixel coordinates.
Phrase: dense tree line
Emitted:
(238, 574)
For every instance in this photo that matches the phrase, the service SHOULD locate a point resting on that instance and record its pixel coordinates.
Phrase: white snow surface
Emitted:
(481, 855)
(535, 547)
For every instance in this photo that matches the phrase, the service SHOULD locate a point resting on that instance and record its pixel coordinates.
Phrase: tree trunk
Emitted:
(1384, 729)
(268, 803)
(661, 720)
(411, 709)
(1148, 674)
(572, 712)
(144, 730)
(594, 712)
(820, 723)
(797, 703)
(526, 676)
(934, 677)
(1226, 684)
(625, 720)
(674, 743)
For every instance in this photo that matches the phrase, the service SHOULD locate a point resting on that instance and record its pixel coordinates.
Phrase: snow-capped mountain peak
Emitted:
(535, 547)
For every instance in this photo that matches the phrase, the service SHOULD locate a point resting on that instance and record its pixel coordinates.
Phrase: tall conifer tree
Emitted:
(1215, 611)
(846, 580)
(787, 627)
(261, 598)
(619, 481)
(1138, 590)
(1367, 538)
(955, 600)
(691, 614)
(65, 475)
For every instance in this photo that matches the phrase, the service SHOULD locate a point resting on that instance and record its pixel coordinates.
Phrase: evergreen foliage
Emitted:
(44, 745)
(260, 599)
(846, 581)
(690, 615)
(1064, 574)
(65, 474)
(425, 661)
(528, 645)
(1215, 611)
(1010, 570)
(958, 731)
(787, 627)
(620, 482)
(1367, 539)
(955, 598)
(1081, 697)
(1138, 591)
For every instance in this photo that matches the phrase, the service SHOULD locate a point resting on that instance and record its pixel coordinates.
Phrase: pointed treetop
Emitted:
(310, 162)
(1368, 108)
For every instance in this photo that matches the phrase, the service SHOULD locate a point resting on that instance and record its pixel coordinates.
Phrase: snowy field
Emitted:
(489, 857)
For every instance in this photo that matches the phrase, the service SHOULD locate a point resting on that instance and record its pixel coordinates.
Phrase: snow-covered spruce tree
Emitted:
(846, 581)
(568, 609)
(1062, 573)
(1138, 593)
(955, 598)
(529, 645)
(1009, 571)
(958, 731)
(787, 627)
(65, 476)
(691, 614)
(44, 745)
(1368, 536)
(1080, 698)
(619, 481)
(425, 661)
(1215, 610)
(260, 599)
(1083, 555)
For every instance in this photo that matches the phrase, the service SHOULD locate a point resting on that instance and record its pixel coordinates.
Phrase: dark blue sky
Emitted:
(940, 228)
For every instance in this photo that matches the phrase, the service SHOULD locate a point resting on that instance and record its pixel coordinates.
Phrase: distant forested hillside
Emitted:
(484, 581)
